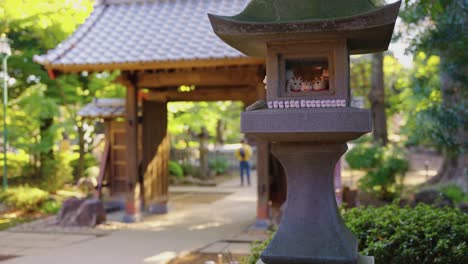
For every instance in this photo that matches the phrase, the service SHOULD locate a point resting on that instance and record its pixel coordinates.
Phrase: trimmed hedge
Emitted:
(394, 235)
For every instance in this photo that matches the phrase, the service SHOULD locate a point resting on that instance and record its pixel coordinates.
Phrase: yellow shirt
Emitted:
(247, 152)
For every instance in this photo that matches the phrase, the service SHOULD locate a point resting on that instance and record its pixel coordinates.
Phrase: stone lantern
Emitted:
(307, 116)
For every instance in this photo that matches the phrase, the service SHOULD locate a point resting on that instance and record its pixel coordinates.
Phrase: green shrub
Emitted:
(89, 161)
(455, 193)
(190, 169)
(382, 165)
(56, 172)
(175, 170)
(50, 207)
(423, 234)
(257, 249)
(24, 198)
(219, 165)
(394, 235)
(364, 156)
(16, 163)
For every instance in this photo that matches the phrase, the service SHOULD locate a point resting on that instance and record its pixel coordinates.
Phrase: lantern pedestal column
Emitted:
(312, 230)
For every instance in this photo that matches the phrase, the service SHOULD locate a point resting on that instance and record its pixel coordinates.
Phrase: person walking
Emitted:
(243, 154)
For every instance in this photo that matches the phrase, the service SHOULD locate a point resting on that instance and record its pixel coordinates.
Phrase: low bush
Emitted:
(175, 170)
(56, 172)
(89, 161)
(24, 198)
(422, 234)
(455, 193)
(16, 163)
(394, 235)
(50, 207)
(219, 165)
(383, 166)
(190, 170)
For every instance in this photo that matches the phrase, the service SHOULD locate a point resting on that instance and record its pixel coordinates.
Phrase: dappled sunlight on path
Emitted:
(197, 216)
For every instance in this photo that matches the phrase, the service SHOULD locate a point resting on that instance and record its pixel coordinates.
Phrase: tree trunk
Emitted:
(81, 158)
(48, 154)
(203, 140)
(220, 128)
(453, 165)
(377, 99)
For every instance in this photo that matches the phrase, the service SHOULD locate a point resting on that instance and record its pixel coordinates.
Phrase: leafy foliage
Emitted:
(57, 172)
(455, 193)
(391, 234)
(186, 120)
(24, 198)
(16, 163)
(410, 235)
(50, 207)
(382, 165)
(219, 165)
(190, 169)
(429, 122)
(175, 169)
(439, 28)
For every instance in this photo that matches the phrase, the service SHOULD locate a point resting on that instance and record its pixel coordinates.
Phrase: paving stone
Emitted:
(215, 248)
(10, 250)
(33, 251)
(37, 243)
(32, 236)
(75, 238)
(249, 237)
(238, 248)
(4, 234)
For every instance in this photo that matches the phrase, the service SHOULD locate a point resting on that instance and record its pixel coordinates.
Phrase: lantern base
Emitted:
(361, 260)
(311, 230)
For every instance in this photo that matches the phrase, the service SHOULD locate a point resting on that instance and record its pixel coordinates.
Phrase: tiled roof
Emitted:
(138, 31)
(103, 108)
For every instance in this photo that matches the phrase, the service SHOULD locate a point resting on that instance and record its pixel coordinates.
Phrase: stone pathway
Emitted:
(25, 244)
(47, 226)
(220, 220)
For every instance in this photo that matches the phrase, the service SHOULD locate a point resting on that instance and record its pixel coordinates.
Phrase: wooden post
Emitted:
(156, 147)
(132, 203)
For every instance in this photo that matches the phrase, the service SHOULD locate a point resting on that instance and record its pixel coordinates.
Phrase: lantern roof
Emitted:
(367, 27)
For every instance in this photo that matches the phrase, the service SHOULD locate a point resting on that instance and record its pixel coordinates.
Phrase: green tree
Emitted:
(42, 109)
(439, 28)
(186, 119)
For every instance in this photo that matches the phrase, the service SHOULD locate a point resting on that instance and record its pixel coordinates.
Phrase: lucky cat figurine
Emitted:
(319, 84)
(306, 86)
(325, 75)
(295, 84)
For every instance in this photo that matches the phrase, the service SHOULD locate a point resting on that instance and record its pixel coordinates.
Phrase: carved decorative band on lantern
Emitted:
(306, 103)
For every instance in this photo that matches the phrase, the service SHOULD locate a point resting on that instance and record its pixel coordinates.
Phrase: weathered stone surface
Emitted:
(361, 260)
(67, 212)
(260, 104)
(311, 229)
(433, 197)
(81, 212)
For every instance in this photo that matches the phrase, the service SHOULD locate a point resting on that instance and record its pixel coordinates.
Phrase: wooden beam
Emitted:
(203, 77)
(155, 65)
(132, 206)
(205, 94)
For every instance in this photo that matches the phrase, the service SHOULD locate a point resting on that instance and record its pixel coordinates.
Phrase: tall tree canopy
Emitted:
(439, 28)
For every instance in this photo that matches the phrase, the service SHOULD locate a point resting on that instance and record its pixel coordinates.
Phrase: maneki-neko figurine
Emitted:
(307, 116)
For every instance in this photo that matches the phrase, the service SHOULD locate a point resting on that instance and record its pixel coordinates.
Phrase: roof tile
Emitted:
(153, 31)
